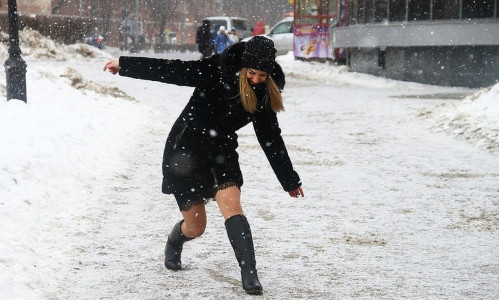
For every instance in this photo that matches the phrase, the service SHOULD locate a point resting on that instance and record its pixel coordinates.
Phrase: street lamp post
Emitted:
(15, 67)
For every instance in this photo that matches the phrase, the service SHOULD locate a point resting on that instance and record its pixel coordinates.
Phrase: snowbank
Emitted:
(54, 149)
(476, 118)
(36, 46)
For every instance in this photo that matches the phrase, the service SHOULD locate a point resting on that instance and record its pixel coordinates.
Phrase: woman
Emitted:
(200, 160)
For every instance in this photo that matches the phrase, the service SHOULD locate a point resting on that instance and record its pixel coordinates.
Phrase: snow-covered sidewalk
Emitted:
(394, 208)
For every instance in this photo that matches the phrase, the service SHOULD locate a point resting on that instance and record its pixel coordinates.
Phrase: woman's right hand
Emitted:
(296, 192)
(113, 66)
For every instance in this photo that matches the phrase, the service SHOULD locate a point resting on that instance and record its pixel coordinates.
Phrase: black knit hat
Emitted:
(259, 54)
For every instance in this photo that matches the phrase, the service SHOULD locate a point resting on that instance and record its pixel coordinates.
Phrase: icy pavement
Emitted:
(392, 210)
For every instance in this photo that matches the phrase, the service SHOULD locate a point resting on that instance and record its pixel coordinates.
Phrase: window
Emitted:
(286, 27)
(215, 24)
(369, 18)
(307, 7)
(324, 7)
(376, 11)
(332, 7)
(445, 9)
(353, 8)
(381, 11)
(419, 10)
(397, 10)
(361, 12)
(478, 9)
(240, 25)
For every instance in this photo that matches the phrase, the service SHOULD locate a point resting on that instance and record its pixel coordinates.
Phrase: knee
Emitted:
(193, 230)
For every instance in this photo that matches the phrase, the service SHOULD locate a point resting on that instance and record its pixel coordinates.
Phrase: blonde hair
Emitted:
(248, 97)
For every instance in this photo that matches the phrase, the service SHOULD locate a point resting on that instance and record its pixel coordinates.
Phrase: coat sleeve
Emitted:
(174, 71)
(269, 136)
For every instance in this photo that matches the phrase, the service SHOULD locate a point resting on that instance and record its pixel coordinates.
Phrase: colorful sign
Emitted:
(312, 41)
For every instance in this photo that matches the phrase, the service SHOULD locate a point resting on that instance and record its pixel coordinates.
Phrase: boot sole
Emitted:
(173, 267)
(255, 292)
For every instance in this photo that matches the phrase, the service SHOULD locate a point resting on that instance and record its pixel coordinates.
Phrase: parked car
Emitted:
(282, 35)
(241, 25)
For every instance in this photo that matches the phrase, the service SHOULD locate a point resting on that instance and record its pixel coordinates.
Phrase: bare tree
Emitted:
(56, 6)
(162, 11)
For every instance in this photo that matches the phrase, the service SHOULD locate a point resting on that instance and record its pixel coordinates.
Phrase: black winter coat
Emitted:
(200, 152)
(203, 39)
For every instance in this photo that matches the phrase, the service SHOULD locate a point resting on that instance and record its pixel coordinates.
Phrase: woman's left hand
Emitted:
(296, 192)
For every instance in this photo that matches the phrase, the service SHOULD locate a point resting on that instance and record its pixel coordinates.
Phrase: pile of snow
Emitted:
(54, 149)
(79, 82)
(35, 45)
(476, 118)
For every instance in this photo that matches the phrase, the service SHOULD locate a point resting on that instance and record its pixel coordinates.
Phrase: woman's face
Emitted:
(255, 76)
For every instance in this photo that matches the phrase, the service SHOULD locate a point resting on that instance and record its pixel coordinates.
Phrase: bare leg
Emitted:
(194, 221)
(229, 202)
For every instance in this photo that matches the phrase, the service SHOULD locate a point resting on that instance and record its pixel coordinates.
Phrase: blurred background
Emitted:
(152, 22)
(440, 42)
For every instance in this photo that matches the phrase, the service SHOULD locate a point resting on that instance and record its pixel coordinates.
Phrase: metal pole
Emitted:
(15, 66)
(182, 25)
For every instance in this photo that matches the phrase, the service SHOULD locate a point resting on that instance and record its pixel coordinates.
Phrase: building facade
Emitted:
(441, 42)
(178, 18)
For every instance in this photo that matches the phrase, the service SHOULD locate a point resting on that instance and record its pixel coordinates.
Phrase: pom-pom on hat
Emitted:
(259, 54)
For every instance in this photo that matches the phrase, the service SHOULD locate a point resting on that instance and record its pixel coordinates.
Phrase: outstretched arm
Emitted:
(174, 71)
